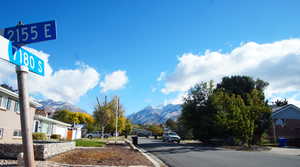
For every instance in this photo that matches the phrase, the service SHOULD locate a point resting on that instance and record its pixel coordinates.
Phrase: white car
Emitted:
(171, 137)
(97, 134)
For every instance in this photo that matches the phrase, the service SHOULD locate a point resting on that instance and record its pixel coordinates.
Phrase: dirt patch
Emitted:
(109, 155)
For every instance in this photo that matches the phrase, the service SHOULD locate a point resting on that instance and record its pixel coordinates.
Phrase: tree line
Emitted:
(103, 118)
(234, 110)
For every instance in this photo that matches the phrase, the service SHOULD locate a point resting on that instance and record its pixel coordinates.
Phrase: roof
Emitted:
(39, 117)
(288, 111)
(33, 102)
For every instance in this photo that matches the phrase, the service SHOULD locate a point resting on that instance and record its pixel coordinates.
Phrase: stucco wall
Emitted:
(10, 121)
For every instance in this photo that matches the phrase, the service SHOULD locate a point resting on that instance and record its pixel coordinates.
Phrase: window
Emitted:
(1, 132)
(8, 104)
(36, 126)
(3, 102)
(17, 108)
(12, 105)
(17, 133)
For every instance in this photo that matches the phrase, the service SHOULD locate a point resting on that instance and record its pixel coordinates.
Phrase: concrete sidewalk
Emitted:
(285, 151)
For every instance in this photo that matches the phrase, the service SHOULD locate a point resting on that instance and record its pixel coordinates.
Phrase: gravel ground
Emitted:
(114, 155)
(111, 155)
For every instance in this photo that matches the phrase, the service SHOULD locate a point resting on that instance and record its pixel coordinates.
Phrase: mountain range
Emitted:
(148, 115)
(156, 115)
(51, 106)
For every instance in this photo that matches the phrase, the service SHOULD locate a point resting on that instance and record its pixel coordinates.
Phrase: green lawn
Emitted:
(89, 143)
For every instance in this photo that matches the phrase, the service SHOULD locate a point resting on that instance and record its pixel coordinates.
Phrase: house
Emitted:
(51, 126)
(286, 122)
(10, 126)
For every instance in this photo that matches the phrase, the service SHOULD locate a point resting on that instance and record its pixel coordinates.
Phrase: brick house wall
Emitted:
(290, 129)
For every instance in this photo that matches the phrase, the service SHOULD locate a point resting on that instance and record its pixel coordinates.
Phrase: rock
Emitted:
(20, 159)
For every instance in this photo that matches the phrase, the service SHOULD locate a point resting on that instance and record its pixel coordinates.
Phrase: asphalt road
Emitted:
(191, 155)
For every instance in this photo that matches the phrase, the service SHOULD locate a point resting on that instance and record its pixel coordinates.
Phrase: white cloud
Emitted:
(179, 99)
(114, 81)
(62, 85)
(153, 90)
(277, 63)
(162, 76)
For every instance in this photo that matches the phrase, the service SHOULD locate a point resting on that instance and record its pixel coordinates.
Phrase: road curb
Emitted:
(155, 161)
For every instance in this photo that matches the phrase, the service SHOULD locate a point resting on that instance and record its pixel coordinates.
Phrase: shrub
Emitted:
(55, 136)
(39, 136)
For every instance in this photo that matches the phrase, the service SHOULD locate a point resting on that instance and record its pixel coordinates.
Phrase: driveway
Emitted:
(191, 155)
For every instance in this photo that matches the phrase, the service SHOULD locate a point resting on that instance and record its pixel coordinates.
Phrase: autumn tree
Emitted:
(105, 115)
(73, 117)
(128, 127)
(157, 130)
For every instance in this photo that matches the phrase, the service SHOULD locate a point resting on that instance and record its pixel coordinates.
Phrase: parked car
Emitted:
(171, 137)
(97, 134)
(143, 135)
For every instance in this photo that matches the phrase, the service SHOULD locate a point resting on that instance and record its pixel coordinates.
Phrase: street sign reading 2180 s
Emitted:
(29, 33)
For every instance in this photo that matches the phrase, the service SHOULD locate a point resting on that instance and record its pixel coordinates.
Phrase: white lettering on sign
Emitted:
(23, 58)
(24, 33)
(10, 34)
(40, 69)
(47, 29)
(34, 33)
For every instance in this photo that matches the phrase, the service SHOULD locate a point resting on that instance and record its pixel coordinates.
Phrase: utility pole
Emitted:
(25, 115)
(101, 123)
(117, 110)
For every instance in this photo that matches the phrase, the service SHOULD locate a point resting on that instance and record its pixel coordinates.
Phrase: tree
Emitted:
(196, 112)
(157, 130)
(281, 102)
(73, 117)
(242, 85)
(105, 116)
(261, 113)
(236, 109)
(128, 127)
(233, 116)
(183, 131)
(251, 92)
(62, 115)
(171, 124)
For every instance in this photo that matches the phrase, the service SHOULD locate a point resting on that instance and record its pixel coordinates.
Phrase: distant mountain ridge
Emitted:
(51, 106)
(156, 115)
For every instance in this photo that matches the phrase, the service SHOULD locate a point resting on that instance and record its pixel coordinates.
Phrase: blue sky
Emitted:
(144, 38)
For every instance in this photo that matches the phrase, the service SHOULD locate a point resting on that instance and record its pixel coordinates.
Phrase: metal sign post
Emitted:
(117, 110)
(25, 61)
(25, 116)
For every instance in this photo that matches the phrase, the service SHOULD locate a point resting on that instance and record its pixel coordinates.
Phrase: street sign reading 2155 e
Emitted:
(29, 33)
